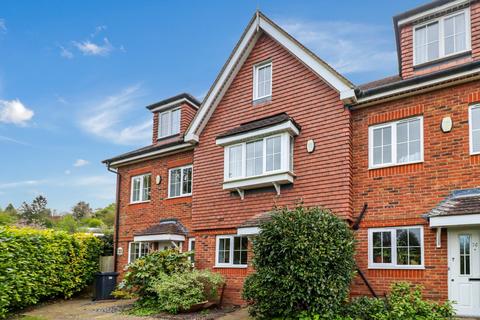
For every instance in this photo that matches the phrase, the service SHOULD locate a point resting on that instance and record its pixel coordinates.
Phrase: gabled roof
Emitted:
(166, 226)
(261, 24)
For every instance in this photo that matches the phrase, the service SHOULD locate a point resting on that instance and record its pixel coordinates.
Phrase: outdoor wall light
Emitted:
(158, 179)
(310, 146)
(447, 124)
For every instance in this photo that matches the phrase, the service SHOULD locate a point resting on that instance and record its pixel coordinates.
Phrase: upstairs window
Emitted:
(262, 80)
(474, 120)
(180, 182)
(395, 143)
(259, 157)
(141, 186)
(443, 37)
(168, 123)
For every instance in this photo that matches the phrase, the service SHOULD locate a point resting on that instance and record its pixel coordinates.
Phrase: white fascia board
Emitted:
(455, 220)
(248, 231)
(151, 154)
(239, 56)
(287, 126)
(258, 181)
(159, 237)
(174, 103)
(433, 11)
(416, 87)
(321, 70)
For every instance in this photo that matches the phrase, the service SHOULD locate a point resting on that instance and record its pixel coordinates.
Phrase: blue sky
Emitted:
(75, 76)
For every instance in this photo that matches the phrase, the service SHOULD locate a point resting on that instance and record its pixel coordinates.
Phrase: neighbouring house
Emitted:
(397, 158)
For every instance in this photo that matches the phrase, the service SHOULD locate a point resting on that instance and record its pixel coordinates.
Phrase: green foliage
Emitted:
(142, 273)
(82, 210)
(36, 212)
(6, 218)
(404, 302)
(68, 223)
(123, 294)
(304, 263)
(107, 214)
(179, 291)
(42, 264)
(92, 222)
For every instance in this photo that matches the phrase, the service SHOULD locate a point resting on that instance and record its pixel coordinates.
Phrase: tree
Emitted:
(81, 210)
(68, 223)
(10, 209)
(304, 263)
(107, 214)
(36, 212)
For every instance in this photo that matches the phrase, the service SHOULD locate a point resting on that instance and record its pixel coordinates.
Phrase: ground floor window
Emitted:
(400, 247)
(231, 251)
(137, 250)
(191, 247)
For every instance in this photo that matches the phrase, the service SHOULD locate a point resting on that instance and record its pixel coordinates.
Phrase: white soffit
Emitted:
(455, 220)
(238, 57)
(159, 237)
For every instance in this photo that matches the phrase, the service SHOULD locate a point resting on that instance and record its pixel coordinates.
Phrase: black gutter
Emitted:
(117, 218)
(174, 98)
(417, 80)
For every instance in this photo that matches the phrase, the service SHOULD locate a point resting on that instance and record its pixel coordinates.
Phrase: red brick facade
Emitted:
(336, 175)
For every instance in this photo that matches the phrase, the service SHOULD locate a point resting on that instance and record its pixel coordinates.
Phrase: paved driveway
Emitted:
(85, 309)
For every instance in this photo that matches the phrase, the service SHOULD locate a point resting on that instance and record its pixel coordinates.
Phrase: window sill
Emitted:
(232, 266)
(428, 64)
(261, 100)
(168, 137)
(370, 267)
(279, 178)
(139, 202)
(182, 196)
(394, 165)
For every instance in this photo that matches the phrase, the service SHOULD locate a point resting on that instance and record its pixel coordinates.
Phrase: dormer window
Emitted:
(169, 123)
(262, 80)
(443, 37)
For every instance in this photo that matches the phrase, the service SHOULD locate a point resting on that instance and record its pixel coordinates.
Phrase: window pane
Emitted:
(387, 255)
(449, 27)
(402, 256)
(175, 121)
(175, 176)
(164, 124)
(146, 187)
(235, 162)
(377, 155)
(476, 141)
(377, 239)
(402, 132)
(387, 154)
(273, 161)
(420, 44)
(475, 118)
(254, 158)
(460, 42)
(449, 45)
(136, 189)
(187, 181)
(402, 152)
(414, 129)
(224, 251)
(402, 237)
(414, 237)
(432, 51)
(414, 150)
(240, 246)
(460, 23)
(415, 257)
(377, 255)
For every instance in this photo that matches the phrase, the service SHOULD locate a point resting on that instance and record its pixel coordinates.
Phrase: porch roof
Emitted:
(167, 229)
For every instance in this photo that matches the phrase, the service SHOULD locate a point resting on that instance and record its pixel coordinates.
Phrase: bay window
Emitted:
(231, 251)
(400, 247)
(443, 37)
(395, 143)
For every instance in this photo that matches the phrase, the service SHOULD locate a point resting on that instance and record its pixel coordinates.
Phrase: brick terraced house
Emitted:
(397, 158)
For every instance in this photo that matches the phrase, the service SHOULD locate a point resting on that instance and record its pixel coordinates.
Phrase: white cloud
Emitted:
(12, 140)
(15, 112)
(107, 118)
(3, 26)
(17, 184)
(80, 163)
(347, 47)
(90, 48)
(65, 53)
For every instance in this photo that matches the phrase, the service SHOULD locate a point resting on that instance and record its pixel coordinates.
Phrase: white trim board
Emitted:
(455, 220)
(248, 231)
(259, 24)
(174, 104)
(159, 237)
(446, 7)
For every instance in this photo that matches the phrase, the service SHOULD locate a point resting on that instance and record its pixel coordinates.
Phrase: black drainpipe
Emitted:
(355, 227)
(117, 217)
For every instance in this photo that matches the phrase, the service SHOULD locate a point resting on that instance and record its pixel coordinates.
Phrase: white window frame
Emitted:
(141, 176)
(142, 243)
(190, 241)
(169, 133)
(441, 39)
(181, 181)
(470, 128)
(256, 68)
(393, 264)
(217, 247)
(393, 125)
(285, 157)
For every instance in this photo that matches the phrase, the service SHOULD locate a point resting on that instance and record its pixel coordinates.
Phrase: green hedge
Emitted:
(40, 264)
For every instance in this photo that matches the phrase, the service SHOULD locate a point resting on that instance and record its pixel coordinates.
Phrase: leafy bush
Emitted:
(180, 291)
(304, 262)
(41, 264)
(404, 302)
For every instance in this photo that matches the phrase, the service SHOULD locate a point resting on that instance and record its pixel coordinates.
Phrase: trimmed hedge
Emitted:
(41, 264)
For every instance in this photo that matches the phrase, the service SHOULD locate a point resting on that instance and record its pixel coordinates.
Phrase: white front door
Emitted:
(464, 271)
